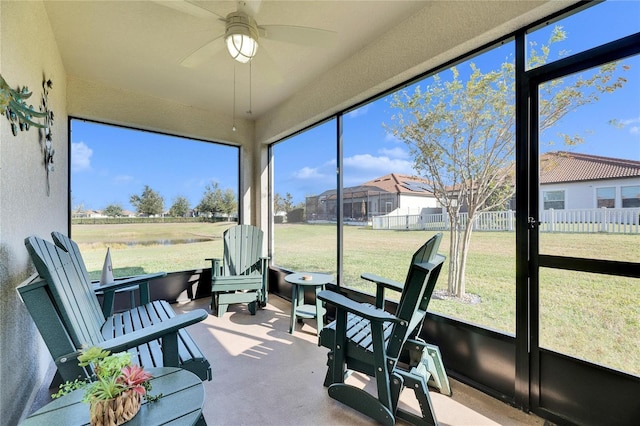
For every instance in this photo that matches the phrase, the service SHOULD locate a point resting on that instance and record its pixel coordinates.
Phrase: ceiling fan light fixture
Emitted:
(241, 36)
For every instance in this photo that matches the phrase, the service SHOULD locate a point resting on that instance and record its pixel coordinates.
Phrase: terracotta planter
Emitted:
(115, 411)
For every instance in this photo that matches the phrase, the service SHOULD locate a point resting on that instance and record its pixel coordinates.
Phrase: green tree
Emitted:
(216, 201)
(149, 203)
(229, 203)
(180, 207)
(283, 204)
(461, 136)
(113, 210)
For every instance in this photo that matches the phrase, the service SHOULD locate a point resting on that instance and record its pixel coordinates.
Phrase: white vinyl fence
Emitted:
(625, 221)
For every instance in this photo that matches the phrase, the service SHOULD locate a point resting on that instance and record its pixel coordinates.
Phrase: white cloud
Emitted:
(123, 179)
(630, 121)
(358, 112)
(394, 152)
(381, 165)
(80, 157)
(308, 173)
(389, 137)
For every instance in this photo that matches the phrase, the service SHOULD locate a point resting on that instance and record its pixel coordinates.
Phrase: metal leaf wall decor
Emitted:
(21, 116)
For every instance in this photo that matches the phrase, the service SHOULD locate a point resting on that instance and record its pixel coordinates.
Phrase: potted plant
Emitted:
(115, 389)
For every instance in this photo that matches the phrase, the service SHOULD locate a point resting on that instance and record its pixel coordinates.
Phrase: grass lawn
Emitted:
(155, 254)
(589, 316)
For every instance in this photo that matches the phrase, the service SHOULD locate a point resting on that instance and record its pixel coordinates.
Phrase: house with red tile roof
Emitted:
(383, 195)
(570, 180)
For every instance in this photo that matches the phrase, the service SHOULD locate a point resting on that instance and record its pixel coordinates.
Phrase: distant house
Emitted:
(567, 181)
(379, 196)
(85, 214)
(581, 181)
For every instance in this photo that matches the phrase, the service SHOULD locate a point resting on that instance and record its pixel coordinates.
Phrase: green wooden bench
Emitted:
(68, 316)
(367, 339)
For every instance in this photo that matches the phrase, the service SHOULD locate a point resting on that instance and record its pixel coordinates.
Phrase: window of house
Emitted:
(142, 195)
(553, 200)
(606, 197)
(630, 196)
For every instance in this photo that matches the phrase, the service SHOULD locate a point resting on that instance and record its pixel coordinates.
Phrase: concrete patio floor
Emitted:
(262, 375)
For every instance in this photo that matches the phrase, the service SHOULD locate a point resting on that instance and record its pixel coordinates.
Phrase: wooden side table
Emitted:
(181, 404)
(299, 310)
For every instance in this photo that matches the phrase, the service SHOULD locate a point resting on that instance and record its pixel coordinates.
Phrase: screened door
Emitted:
(584, 238)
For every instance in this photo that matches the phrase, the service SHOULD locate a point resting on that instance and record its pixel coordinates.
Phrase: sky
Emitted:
(109, 164)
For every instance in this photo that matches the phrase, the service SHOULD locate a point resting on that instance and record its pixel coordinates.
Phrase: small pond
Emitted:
(162, 242)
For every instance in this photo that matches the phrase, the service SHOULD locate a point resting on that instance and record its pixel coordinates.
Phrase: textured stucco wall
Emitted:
(28, 51)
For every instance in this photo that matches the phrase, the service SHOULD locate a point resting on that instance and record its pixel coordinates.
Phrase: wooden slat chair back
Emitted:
(241, 275)
(139, 283)
(68, 317)
(415, 298)
(370, 340)
(72, 248)
(242, 250)
(80, 308)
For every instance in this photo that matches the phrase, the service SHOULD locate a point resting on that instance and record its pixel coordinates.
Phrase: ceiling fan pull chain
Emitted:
(234, 98)
(250, 74)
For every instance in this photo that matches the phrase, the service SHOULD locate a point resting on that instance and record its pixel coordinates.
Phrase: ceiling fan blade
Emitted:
(299, 35)
(204, 53)
(188, 8)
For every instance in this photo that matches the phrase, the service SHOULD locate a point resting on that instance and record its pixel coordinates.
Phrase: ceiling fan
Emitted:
(243, 35)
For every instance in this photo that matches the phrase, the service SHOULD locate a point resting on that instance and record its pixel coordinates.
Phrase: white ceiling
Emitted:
(138, 46)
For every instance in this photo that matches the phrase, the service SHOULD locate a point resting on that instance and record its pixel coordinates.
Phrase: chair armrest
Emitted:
(138, 279)
(141, 282)
(361, 309)
(121, 283)
(381, 284)
(216, 266)
(381, 281)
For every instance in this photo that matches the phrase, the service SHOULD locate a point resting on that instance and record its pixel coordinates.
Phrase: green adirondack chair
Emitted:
(367, 339)
(68, 316)
(138, 282)
(241, 275)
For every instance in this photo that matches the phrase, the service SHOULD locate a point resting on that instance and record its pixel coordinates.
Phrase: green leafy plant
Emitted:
(113, 374)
